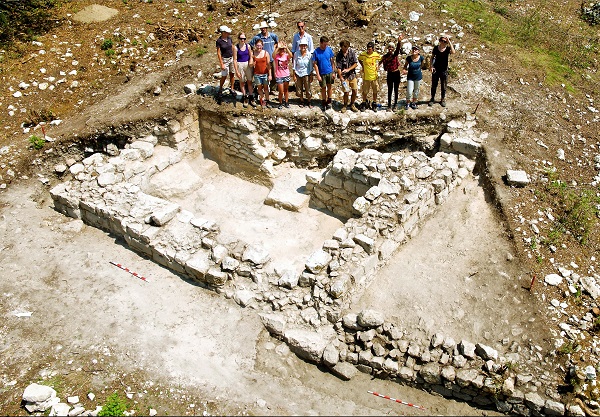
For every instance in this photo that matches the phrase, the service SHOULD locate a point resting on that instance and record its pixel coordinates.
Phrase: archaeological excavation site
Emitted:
(320, 224)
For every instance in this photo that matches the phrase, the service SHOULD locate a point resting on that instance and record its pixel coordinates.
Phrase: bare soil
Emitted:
(183, 350)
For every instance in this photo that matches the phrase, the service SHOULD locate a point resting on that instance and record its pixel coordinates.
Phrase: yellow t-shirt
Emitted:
(369, 64)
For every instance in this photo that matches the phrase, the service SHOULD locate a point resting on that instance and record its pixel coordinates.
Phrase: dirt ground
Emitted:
(169, 343)
(462, 284)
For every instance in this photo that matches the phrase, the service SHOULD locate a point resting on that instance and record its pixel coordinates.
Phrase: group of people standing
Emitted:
(265, 60)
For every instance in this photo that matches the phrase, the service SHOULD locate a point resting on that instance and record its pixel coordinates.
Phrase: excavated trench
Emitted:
(302, 216)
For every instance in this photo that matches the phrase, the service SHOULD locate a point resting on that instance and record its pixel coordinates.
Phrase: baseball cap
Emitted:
(303, 42)
(224, 28)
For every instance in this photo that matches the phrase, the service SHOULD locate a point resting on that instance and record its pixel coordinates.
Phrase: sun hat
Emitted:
(391, 45)
(224, 28)
(263, 24)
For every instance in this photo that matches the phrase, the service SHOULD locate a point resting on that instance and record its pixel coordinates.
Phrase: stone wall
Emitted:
(386, 197)
(252, 146)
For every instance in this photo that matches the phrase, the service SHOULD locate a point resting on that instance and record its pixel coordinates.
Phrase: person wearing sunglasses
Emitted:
(439, 68)
(242, 60)
(302, 35)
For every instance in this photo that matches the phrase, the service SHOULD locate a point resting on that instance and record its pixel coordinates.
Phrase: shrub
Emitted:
(37, 142)
(591, 13)
(106, 44)
(114, 406)
(22, 20)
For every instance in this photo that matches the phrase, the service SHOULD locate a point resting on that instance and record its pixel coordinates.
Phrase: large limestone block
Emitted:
(307, 344)
(36, 393)
(317, 261)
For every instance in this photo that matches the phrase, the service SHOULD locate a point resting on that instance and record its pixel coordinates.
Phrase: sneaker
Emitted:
(244, 101)
(353, 107)
(374, 106)
(280, 107)
(328, 107)
(443, 103)
(413, 105)
(430, 103)
(286, 105)
(343, 109)
(251, 101)
(309, 105)
(262, 103)
(406, 106)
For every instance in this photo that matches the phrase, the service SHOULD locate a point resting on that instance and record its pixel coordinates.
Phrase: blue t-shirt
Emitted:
(269, 42)
(323, 60)
(414, 69)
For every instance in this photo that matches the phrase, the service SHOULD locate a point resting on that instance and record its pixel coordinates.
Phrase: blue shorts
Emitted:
(261, 79)
(281, 80)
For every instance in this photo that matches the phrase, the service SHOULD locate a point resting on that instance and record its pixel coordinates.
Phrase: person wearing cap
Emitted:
(368, 60)
(439, 68)
(391, 65)
(282, 73)
(346, 63)
(303, 66)
(414, 75)
(225, 56)
(270, 41)
(243, 60)
(323, 64)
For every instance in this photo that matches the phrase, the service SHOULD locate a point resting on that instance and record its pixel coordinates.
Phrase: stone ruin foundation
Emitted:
(375, 184)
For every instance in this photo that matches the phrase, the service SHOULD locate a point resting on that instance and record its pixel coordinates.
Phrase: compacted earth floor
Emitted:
(169, 344)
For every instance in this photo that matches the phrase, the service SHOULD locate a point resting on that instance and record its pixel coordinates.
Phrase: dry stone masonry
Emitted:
(384, 196)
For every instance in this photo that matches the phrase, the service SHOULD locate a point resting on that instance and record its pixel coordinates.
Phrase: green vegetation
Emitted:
(115, 406)
(106, 44)
(200, 51)
(578, 209)
(37, 142)
(570, 46)
(23, 20)
(110, 52)
(57, 382)
(567, 348)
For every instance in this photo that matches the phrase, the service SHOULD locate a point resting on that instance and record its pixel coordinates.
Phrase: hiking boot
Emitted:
(286, 105)
(280, 107)
(353, 107)
(343, 109)
(244, 101)
(430, 103)
(413, 105)
(251, 101)
(406, 106)
(443, 103)
(328, 107)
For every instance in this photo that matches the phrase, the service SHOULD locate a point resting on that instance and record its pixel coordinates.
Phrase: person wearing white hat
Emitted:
(225, 56)
(303, 66)
(270, 41)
